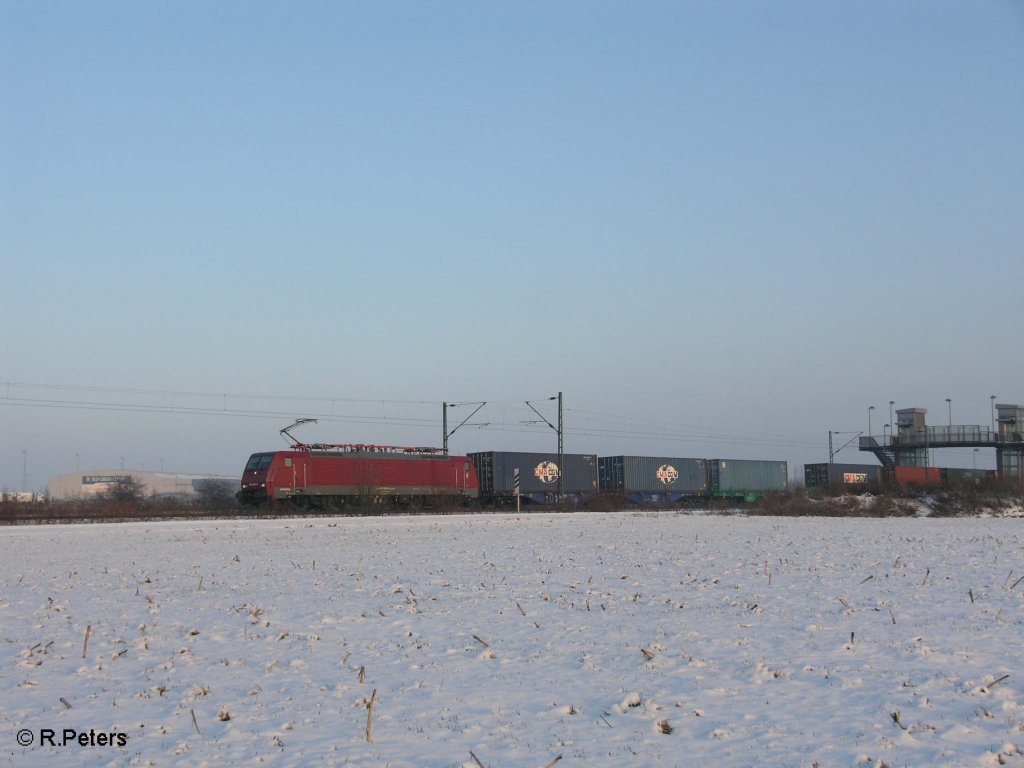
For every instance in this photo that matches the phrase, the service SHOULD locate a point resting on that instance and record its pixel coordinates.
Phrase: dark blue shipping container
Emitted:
(653, 479)
(538, 475)
(852, 476)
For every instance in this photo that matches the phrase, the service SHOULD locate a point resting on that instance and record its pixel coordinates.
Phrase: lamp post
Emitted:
(891, 404)
(949, 405)
(870, 409)
(992, 399)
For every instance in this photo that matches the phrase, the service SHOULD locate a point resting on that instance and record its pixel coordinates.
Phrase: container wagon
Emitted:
(852, 477)
(538, 476)
(341, 477)
(746, 479)
(653, 479)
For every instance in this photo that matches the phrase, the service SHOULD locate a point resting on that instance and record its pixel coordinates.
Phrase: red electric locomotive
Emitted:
(342, 477)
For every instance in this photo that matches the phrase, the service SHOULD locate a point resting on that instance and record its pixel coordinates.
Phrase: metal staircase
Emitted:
(885, 454)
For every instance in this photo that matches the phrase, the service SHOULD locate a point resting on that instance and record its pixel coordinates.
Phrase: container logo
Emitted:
(667, 474)
(855, 478)
(546, 472)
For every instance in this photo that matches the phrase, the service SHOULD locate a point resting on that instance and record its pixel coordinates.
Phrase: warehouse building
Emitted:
(160, 485)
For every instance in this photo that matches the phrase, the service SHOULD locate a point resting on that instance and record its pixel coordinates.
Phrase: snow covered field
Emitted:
(616, 639)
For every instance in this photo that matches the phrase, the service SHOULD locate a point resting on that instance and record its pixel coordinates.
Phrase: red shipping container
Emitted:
(920, 476)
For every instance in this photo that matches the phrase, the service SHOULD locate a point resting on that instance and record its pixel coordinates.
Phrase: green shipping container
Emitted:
(745, 477)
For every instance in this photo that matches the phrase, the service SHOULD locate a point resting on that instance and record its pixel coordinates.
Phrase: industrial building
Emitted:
(912, 440)
(160, 485)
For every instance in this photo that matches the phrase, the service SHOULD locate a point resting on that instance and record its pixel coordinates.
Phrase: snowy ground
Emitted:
(616, 639)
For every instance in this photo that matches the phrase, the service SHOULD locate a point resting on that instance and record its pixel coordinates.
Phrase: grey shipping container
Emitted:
(731, 477)
(538, 472)
(653, 475)
(825, 475)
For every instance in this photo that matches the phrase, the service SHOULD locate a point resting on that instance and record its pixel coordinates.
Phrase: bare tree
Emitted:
(215, 494)
(124, 492)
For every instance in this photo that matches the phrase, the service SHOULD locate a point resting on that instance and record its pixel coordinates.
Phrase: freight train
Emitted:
(347, 477)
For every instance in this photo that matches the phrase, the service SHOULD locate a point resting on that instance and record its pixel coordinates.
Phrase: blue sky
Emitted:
(735, 224)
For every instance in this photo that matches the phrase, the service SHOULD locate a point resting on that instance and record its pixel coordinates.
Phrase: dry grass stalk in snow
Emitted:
(994, 683)
(85, 645)
(369, 717)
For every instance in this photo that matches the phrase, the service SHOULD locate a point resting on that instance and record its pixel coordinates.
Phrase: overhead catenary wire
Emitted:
(188, 393)
(502, 417)
(506, 420)
(690, 431)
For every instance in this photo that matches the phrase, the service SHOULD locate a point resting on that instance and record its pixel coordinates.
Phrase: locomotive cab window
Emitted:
(259, 461)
